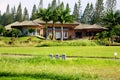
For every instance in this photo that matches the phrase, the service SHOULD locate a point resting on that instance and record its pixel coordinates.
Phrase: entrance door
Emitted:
(78, 34)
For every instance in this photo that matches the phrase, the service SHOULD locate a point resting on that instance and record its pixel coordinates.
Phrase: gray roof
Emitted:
(87, 26)
(8, 27)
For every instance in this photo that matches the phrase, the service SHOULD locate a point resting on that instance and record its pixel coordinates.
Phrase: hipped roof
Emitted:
(27, 23)
(87, 26)
(51, 22)
(8, 27)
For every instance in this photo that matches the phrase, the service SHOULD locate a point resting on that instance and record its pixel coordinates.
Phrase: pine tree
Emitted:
(0, 18)
(54, 4)
(88, 14)
(41, 4)
(76, 12)
(98, 11)
(58, 2)
(33, 16)
(85, 17)
(25, 15)
(19, 13)
(91, 14)
(110, 5)
(13, 13)
(8, 10)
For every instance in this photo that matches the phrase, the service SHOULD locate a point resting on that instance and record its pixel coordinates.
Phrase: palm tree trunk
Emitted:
(46, 30)
(53, 32)
(62, 32)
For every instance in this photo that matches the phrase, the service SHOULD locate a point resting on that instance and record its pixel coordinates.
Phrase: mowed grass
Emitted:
(95, 51)
(38, 68)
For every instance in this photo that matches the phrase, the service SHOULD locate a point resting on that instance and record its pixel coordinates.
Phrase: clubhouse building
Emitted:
(70, 30)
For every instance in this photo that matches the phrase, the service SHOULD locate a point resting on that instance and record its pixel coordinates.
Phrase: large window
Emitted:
(38, 31)
(58, 35)
(65, 35)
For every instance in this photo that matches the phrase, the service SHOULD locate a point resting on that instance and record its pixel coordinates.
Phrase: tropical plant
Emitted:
(14, 33)
(2, 30)
(64, 16)
(31, 30)
(44, 14)
(111, 20)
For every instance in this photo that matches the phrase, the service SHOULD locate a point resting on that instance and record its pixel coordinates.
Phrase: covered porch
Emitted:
(88, 31)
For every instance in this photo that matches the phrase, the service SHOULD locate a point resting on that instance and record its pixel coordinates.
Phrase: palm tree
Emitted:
(54, 18)
(64, 17)
(110, 20)
(45, 15)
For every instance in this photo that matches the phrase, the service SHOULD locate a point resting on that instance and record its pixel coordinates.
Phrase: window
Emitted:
(65, 35)
(38, 31)
(58, 35)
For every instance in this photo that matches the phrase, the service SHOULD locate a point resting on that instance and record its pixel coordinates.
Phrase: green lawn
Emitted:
(98, 51)
(37, 68)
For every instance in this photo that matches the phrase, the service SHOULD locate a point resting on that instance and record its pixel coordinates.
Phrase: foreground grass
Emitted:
(97, 51)
(33, 68)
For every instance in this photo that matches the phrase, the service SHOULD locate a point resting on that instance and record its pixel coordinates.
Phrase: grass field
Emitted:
(44, 68)
(98, 51)
(37, 68)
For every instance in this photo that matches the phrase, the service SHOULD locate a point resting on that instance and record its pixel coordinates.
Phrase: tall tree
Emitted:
(112, 21)
(33, 16)
(85, 17)
(19, 13)
(59, 2)
(64, 16)
(98, 11)
(13, 13)
(76, 11)
(8, 10)
(110, 5)
(25, 14)
(0, 18)
(41, 4)
(91, 13)
(88, 14)
(45, 15)
(54, 4)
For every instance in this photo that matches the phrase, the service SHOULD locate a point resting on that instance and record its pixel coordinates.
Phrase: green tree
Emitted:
(2, 30)
(14, 33)
(54, 4)
(88, 14)
(40, 4)
(64, 17)
(33, 16)
(8, 10)
(25, 15)
(31, 30)
(0, 18)
(76, 11)
(19, 13)
(45, 15)
(13, 13)
(98, 11)
(111, 20)
(110, 5)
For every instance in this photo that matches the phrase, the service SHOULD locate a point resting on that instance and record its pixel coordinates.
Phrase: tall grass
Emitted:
(67, 43)
(46, 68)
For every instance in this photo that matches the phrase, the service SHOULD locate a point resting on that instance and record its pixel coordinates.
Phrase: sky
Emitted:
(29, 4)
